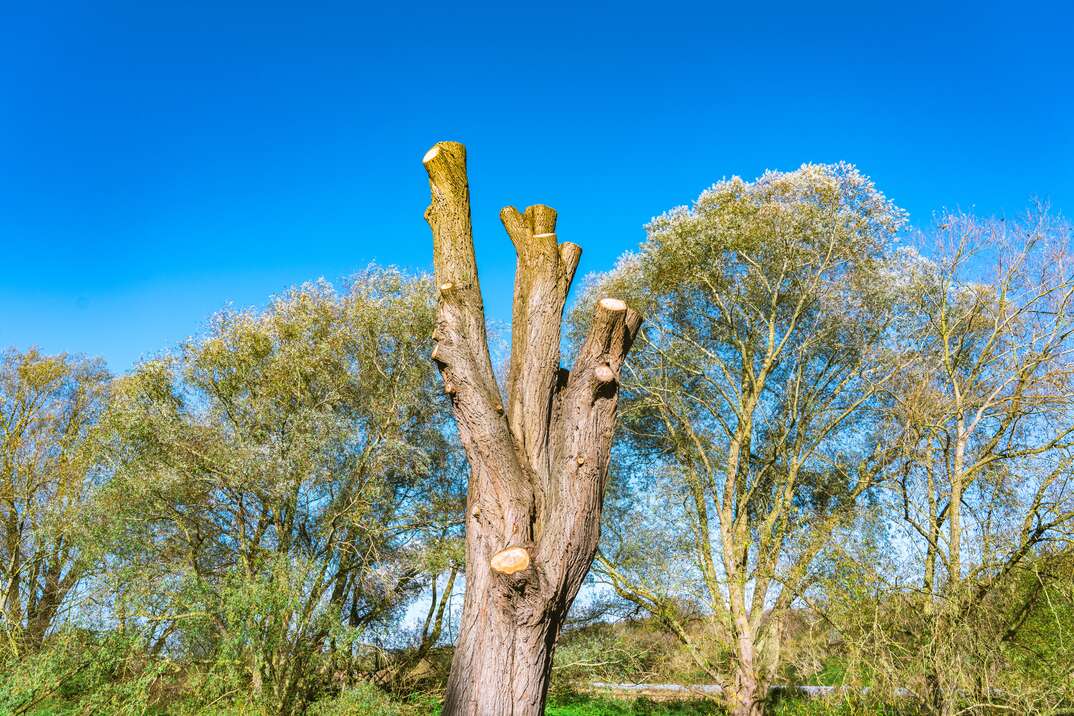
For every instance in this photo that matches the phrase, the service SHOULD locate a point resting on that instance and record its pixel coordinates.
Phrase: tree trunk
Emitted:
(749, 696)
(749, 691)
(954, 510)
(503, 656)
(538, 455)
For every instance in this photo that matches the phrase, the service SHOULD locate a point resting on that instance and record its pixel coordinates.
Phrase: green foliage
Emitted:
(588, 705)
(367, 700)
(49, 406)
(81, 672)
(624, 651)
(281, 486)
(836, 706)
(1008, 649)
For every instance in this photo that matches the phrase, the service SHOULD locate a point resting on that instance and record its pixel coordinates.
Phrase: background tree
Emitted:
(48, 408)
(983, 485)
(538, 455)
(279, 483)
(753, 391)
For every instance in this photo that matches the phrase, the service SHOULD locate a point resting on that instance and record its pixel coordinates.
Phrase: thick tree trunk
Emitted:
(503, 656)
(538, 456)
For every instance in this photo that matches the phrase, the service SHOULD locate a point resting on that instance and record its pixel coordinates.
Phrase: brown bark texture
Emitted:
(538, 455)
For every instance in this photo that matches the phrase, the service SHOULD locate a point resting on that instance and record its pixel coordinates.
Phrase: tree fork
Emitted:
(538, 455)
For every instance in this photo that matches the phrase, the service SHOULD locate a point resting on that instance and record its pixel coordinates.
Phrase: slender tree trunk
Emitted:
(749, 694)
(748, 690)
(538, 455)
(434, 621)
(955, 513)
(929, 576)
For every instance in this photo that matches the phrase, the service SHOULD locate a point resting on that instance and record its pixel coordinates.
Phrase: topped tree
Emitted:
(538, 456)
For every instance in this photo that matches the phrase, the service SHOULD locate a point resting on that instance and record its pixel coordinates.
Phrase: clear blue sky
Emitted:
(158, 161)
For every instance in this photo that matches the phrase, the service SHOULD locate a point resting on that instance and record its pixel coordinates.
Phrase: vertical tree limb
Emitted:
(498, 491)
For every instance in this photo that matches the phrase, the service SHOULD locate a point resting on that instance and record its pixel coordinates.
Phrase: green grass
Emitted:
(596, 706)
(582, 705)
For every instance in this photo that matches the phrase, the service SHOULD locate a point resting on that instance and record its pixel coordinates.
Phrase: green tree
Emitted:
(49, 406)
(983, 489)
(769, 315)
(278, 485)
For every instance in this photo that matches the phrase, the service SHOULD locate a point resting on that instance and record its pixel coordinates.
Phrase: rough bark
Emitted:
(538, 455)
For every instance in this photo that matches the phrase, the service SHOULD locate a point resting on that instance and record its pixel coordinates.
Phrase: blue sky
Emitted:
(160, 161)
